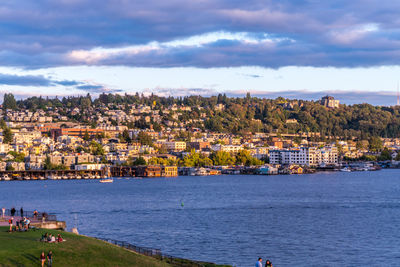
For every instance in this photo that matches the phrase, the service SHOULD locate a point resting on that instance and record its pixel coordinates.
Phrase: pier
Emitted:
(40, 220)
(52, 174)
(112, 171)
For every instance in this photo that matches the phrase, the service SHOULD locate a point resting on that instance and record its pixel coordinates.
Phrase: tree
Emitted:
(18, 157)
(125, 136)
(9, 102)
(157, 127)
(375, 143)
(385, 155)
(86, 136)
(195, 159)
(139, 161)
(7, 135)
(144, 139)
(10, 168)
(96, 148)
(244, 157)
(222, 158)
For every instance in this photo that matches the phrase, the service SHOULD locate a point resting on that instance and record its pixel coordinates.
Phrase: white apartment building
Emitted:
(305, 156)
(289, 156)
(4, 148)
(227, 148)
(324, 156)
(24, 136)
(176, 145)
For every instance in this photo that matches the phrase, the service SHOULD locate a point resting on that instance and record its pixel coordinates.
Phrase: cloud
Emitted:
(179, 92)
(42, 81)
(207, 33)
(98, 89)
(26, 80)
(67, 83)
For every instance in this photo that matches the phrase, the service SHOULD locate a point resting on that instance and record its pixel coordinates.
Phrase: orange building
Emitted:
(76, 132)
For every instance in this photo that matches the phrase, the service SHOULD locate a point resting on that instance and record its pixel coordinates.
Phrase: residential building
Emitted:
(329, 102)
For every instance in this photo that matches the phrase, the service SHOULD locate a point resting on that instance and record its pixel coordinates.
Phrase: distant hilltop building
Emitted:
(329, 102)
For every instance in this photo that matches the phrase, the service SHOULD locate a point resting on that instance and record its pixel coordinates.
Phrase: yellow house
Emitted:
(295, 169)
(169, 171)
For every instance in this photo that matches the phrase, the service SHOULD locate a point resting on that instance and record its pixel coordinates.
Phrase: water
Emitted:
(325, 219)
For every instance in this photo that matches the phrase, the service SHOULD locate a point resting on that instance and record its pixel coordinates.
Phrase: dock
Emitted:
(41, 220)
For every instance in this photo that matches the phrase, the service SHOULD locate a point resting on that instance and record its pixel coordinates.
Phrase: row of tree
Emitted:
(239, 115)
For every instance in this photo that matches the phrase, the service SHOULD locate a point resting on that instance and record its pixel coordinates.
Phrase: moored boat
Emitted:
(106, 180)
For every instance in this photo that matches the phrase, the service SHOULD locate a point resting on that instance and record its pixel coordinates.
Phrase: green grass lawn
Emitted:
(24, 249)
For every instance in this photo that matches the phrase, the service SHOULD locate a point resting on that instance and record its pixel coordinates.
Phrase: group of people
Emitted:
(267, 263)
(49, 258)
(12, 212)
(49, 238)
(21, 225)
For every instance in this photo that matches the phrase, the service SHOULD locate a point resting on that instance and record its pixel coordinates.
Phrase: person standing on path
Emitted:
(22, 212)
(4, 211)
(42, 258)
(10, 222)
(259, 262)
(12, 211)
(49, 258)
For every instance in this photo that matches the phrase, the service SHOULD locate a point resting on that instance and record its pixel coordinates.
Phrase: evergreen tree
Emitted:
(9, 102)
(7, 135)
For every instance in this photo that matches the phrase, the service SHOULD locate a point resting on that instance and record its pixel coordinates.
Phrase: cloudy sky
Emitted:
(293, 48)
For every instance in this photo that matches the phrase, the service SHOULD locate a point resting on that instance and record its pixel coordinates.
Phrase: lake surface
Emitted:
(324, 219)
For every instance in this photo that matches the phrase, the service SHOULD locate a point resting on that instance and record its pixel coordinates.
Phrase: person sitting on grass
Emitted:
(53, 239)
(59, 238)
(49, 238)
(44, 238)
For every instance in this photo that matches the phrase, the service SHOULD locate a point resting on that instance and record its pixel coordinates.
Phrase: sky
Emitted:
(291, 48)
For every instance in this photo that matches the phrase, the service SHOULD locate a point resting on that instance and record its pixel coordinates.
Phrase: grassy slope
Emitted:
(23, 249)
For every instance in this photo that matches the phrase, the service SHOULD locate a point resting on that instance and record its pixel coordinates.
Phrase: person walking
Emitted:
(259, 262)
(49, 258)
(22, 212)
(3, 211)
(42, 258)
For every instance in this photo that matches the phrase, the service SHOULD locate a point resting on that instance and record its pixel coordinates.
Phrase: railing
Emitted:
(30, 214)
(156, 253)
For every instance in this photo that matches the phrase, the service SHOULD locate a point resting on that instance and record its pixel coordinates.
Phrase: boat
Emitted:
(106, 180)
(5, 178)
(345, 169)
(201, 172)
